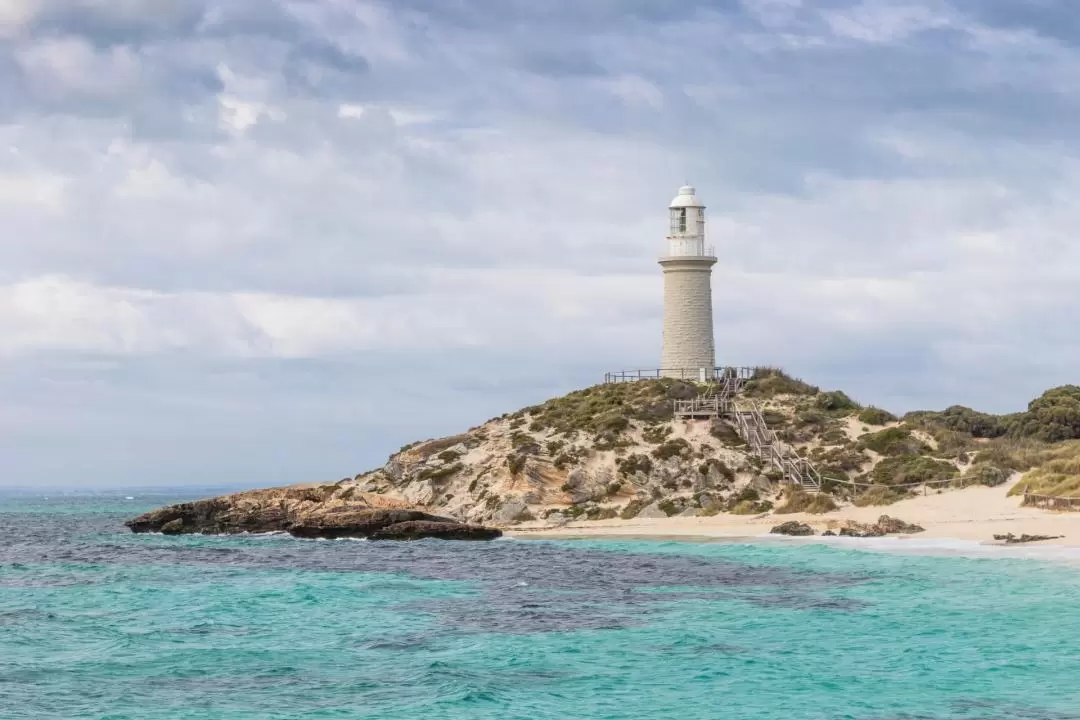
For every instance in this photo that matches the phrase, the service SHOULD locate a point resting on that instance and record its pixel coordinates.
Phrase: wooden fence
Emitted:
(1050, 502)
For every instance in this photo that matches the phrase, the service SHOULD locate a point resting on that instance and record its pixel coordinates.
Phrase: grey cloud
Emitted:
(887, 213)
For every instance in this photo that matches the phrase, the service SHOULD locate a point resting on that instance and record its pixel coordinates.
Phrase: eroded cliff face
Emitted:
(603, 452)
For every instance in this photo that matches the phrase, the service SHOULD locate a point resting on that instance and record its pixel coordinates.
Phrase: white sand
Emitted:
(973, 514)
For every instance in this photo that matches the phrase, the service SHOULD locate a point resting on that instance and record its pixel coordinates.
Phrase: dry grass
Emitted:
(1057, 476)
(879, 495)
(797, 500)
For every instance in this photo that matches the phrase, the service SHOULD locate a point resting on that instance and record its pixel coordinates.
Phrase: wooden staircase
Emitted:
(722, 401)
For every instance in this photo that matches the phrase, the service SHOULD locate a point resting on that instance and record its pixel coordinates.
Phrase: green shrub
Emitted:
(632, 509)
(438, 473)
(669, 508)
(905, 469)
(555, 446)
(770, 382)
(835, 403)
(1052, 417)
(880, 495)
(634, 463)
(572, 456)
(988, 475)
(602, 513)
(796, 500)
(449, 456)
(656, 434)
(670, 449)
(518, 439)
(875, 416)
(893, 441)
(516, 463)
(726, 434)
(726, 472)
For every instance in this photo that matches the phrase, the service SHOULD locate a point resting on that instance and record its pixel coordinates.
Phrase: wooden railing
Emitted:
(1050, 502)
(688, 374)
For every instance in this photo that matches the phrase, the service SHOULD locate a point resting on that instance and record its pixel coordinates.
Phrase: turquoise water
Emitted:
(98, 623)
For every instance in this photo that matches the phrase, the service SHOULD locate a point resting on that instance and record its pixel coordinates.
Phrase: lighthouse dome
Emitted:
(686, 198)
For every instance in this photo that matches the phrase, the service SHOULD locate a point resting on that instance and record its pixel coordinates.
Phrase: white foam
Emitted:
(913, 545)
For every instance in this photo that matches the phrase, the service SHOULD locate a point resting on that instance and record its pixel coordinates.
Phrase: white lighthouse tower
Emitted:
(689, 350)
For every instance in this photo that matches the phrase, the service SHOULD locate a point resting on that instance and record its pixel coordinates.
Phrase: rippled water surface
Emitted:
(98, 623)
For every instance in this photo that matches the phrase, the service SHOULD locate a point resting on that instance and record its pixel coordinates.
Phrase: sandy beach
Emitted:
(972, 515)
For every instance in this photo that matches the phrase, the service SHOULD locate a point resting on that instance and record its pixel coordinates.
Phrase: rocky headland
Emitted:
(616, 452)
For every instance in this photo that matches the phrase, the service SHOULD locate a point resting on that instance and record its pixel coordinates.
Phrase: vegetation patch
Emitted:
(1058, 476)
(893, 441)
(714, 464)
(632, 509)
(880, 495)
(797, 500)
(668, 507)
(836, 403)
(910, 469)
(439, 473)
(656, 434)
(875, 416)
(983, 474)
(767, 383)
(635, 463)
(671, 448)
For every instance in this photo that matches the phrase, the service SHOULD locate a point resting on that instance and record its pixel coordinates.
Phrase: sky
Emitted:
(255, 242)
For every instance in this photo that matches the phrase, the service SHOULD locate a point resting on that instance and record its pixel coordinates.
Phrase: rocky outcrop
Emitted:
(884, 526)
(329, 511)
(419, 529)
(896, 526)
(1011, 539)
(793, 528)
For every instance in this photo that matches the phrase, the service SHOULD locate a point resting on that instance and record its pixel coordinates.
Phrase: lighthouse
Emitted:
(689, 351)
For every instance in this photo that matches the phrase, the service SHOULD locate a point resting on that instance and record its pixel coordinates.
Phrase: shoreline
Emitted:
(965, 517)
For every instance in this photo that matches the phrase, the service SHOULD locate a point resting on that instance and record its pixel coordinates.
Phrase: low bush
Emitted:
(439, 473)
(656, 434)
(634, 463)
(879, 495)
(893, 441)
(770, 382)
(796, 500)
(875, 416)
(907, 469)
(987, 475)
(671, 448)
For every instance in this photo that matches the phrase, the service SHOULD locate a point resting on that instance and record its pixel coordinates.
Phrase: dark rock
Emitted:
(216, 516)
(418, 529)
(794, 528)
(1011, 539)
(173, 527)
(828, 533)
(895, 526)
(357, 523)
(860, 530)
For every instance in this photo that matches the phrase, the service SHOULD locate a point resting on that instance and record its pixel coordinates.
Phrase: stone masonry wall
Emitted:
(688, 318)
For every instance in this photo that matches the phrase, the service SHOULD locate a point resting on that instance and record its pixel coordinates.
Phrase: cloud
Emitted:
(248, 214)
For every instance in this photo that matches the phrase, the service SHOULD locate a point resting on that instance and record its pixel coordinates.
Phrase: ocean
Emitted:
(98, 623)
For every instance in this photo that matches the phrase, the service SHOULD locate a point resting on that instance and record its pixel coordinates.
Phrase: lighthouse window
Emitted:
(682, 220)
